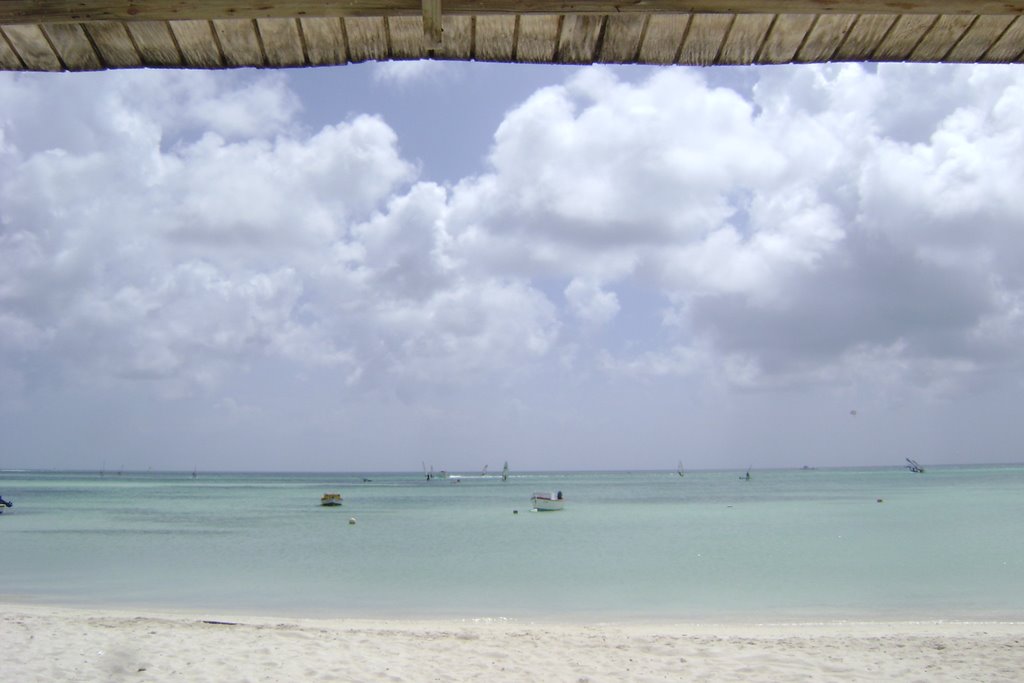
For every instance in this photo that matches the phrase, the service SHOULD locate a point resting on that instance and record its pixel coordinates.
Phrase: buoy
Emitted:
(879, 500)
(351, 520)
(515, 512)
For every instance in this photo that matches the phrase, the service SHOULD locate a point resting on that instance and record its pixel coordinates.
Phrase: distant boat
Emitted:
(746, 477)
(194, 475)
(680, 470)
(430, 475)
(914, 467)
(484, 473)
(504, 472)
(330, 499)
(545, 501)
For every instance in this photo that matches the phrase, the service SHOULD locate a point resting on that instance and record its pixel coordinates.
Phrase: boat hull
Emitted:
(547, 504)
(330, 500)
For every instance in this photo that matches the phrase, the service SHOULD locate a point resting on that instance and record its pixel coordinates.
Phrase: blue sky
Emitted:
(372, 266)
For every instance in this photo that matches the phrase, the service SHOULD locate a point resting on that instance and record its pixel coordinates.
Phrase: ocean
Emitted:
(788, 545)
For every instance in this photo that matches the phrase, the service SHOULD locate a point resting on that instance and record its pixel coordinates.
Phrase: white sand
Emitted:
(55, 644)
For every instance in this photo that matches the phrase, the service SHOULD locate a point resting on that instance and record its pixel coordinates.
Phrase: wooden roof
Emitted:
(84, 35)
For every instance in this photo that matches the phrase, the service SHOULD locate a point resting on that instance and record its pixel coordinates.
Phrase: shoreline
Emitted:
(46, 643)
(773, 617)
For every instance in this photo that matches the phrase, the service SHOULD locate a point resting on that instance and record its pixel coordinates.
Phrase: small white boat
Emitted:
(330, 499)
(545, 501)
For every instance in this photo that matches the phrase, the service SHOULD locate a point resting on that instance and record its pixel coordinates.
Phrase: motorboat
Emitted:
(545, 501)
(330, 499)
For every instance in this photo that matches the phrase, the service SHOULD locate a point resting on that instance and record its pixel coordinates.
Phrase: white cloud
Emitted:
(404, 73)
(590, 303)
(750, 214)
(182, 227)
(131, 260)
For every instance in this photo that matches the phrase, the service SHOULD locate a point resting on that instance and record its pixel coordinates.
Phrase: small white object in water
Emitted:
(351, 520)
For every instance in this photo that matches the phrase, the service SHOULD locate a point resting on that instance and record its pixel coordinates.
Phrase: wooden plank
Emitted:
(457, 38)
(978, 39)
(577, 43)
(367, 38)
(864, 38)
(663, 38)
(325, 41)
(904, 36)
(407, 40)
(745, 38)
(239, 42)
(31, 45)
(825, 37)
(495, 39)
(943, 35)
(704, 38)
(197, 44)
(9, 60)
(281, 42)
(73, 47)
(64, 11)
(622, 34)
(786, 37)
(1010, 45)
(115, 46)
(155, 43)
(538, 38)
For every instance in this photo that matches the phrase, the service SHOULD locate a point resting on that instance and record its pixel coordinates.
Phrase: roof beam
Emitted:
(432, 23)
(79, 11)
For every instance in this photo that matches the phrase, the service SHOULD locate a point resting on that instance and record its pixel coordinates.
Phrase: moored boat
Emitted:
(330, 499)
(545, 501)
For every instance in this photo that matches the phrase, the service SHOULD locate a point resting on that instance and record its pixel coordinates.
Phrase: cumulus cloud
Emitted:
(405, 73)
(590, 303)
(177, 249)
(830, 225)
(799, 233)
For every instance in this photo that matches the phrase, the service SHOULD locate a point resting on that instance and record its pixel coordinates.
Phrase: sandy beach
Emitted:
(42, 643)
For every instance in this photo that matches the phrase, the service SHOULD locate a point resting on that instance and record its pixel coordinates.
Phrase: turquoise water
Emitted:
(787, 545)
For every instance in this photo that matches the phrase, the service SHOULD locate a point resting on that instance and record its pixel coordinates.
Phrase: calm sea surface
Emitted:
(786, 545)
